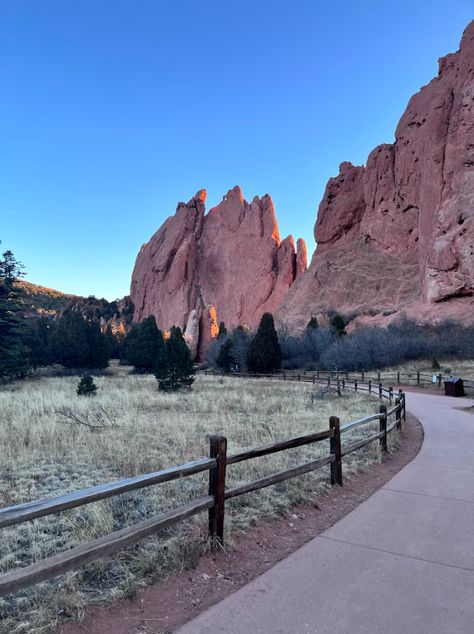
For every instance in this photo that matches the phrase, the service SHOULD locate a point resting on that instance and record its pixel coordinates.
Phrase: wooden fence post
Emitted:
(362, 377)
(398, 412)
(335, 449)
(284, 376)
(383, 427)
(440, 377)
(401, 396)
(370, 386)
(218, 450)
(398, 377)
(418, 378)
(299, 378)
(314, 379)
(390, 395)
(378, 376)
(380, 390)
(355, 385)
(329, 381)
(343, 384)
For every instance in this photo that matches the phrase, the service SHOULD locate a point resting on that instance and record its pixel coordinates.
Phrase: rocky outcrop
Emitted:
(397, 235)
(229, 265)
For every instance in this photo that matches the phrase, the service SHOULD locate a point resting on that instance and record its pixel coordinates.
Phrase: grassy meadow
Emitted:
(55, 442)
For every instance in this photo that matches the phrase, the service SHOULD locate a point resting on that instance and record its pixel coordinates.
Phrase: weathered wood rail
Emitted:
(216, 464)
(416, 377)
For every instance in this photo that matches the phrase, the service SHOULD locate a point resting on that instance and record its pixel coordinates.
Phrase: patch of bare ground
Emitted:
(162, 608)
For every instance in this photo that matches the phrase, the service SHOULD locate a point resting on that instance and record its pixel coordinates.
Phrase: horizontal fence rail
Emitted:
(397, 377)
(216, 464)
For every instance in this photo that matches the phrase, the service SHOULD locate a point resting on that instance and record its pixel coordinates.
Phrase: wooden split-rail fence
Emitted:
(216, 464)
(416, 377)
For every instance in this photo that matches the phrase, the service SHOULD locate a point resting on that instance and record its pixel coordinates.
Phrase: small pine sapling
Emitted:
(86, 386)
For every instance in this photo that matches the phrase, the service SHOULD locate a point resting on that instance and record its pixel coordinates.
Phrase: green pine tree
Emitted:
(77, 343)
(174, 366)
(222, 330)
(39, 341)
(14, 353)
(264, 354)
(86, 386)
(338, 325)
(312, 324)
(225, 359)
(142, 345)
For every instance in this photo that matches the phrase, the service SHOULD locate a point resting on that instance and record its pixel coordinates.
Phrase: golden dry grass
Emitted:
(46, 451)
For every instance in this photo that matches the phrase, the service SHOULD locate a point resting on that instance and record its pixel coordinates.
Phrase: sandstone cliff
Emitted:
(397, 235)
(227, 265)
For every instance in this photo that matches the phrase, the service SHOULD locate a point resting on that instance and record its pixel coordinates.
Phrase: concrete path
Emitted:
(402, 562)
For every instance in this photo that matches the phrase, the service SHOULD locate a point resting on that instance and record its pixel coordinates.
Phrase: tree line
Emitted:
(331, 347)
(79, 343)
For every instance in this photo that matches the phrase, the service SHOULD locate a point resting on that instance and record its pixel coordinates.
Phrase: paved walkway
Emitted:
(402, 562)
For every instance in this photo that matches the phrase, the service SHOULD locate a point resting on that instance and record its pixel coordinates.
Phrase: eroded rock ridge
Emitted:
(227, 265)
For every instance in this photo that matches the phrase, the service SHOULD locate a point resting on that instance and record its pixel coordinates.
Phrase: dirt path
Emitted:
(402, 561)
(183, 596)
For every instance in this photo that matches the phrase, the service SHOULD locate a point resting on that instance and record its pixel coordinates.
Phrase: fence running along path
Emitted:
(216, 464)
(395, 378)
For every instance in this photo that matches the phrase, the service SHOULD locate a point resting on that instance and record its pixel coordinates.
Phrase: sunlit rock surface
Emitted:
(397, 235)
(227, 265)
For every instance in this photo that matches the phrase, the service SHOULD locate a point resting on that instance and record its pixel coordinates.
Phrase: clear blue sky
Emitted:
(111, 111)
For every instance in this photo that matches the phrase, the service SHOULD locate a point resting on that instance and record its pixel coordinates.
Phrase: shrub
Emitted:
(86, 386)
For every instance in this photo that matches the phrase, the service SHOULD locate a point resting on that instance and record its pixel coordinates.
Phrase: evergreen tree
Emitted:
(99, 349)
(14, 354)
(39, 342)
(222, 330)
(113, 343)
(86, 386)
(264, 353)
(143, 345)
(127, 345)
(77, 343)
(225, 359)
(312, 324)
(174, 366)
(338, 325)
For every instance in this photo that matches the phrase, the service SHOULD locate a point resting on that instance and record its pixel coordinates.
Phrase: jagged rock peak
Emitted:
(227, 265)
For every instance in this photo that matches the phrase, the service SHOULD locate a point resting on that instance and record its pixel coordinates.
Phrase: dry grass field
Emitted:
(54, 442)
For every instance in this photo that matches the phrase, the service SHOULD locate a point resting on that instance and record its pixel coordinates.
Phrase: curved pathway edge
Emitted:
(402, 561)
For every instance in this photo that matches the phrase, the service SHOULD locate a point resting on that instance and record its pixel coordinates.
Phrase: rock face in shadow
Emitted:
(397, 235)
(229, 265)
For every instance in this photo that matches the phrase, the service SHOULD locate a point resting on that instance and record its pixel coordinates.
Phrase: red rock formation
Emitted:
(397, 235)
(228, 265)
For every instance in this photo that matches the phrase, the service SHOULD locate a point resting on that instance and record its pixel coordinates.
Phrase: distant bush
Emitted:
(331, 348)
(86, 386)
(229, 352)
